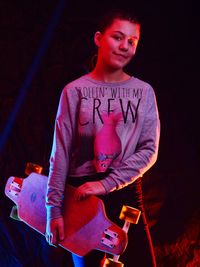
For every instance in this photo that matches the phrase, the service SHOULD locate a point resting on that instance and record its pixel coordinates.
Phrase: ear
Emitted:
(97, 38)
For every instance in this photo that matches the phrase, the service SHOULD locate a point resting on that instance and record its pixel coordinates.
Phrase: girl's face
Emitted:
(117, 44)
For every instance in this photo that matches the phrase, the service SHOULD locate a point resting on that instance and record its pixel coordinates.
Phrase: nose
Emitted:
(124, 45)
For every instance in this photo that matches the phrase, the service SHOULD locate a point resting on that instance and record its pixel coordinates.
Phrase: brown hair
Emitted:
(107, 19)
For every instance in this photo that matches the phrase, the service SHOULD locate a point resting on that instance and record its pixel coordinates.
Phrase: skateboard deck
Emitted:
(86, 225)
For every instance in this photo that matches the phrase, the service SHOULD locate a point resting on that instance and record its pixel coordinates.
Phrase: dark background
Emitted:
(167, 58)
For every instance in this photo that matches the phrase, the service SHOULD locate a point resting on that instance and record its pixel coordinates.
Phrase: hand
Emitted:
(88, 189)
(55, 231)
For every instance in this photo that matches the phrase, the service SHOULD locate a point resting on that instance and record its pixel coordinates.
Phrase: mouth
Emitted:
(120, 55)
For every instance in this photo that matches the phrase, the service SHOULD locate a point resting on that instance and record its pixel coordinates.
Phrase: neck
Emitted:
(108, 75)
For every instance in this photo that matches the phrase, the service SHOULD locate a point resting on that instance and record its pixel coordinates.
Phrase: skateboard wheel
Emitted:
(111, 263)
(31, 167)
(130, 214)
(14, 213)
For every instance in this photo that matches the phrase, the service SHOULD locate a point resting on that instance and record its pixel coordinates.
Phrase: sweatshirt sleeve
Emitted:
(145, 154)
(65, 125)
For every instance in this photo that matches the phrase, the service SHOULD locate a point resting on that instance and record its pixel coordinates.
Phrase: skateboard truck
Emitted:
(32, 167)
(16, 186)
(110, 239)
(129, 215)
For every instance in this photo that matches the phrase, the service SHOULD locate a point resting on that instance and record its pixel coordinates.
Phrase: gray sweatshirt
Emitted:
(99, 127)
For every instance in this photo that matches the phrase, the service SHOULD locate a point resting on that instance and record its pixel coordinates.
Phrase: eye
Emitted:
(117, 37)
(132, 41)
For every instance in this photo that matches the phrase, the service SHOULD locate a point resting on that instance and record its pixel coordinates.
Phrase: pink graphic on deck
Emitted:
(107, 144)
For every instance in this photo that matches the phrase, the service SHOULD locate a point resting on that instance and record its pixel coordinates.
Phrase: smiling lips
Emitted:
(120, 55)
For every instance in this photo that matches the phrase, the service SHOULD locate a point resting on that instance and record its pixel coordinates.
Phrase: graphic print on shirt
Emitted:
(107, 144)
(104, 112)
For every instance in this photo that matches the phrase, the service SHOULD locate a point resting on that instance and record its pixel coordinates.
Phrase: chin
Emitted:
(119, 64)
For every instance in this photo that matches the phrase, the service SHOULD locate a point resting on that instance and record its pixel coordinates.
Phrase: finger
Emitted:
(78, 194)
(47, 237)
(53, 239)
(61, 232)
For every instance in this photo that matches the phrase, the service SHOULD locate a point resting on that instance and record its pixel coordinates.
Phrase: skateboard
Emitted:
(87, 226)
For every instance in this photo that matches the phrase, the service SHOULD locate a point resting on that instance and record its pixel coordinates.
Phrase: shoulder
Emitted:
(73, 87)
(142, 84)
(145, 87)
(79, 82)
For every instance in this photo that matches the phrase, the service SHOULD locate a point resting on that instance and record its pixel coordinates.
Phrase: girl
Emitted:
(106, 137)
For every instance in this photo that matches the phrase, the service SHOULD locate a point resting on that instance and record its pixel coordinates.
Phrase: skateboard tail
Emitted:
(29, 196)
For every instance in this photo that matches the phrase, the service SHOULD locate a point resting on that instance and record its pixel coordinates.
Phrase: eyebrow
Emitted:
(130, 36)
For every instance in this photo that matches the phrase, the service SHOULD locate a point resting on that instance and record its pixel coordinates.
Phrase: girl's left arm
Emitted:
(145, 154)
